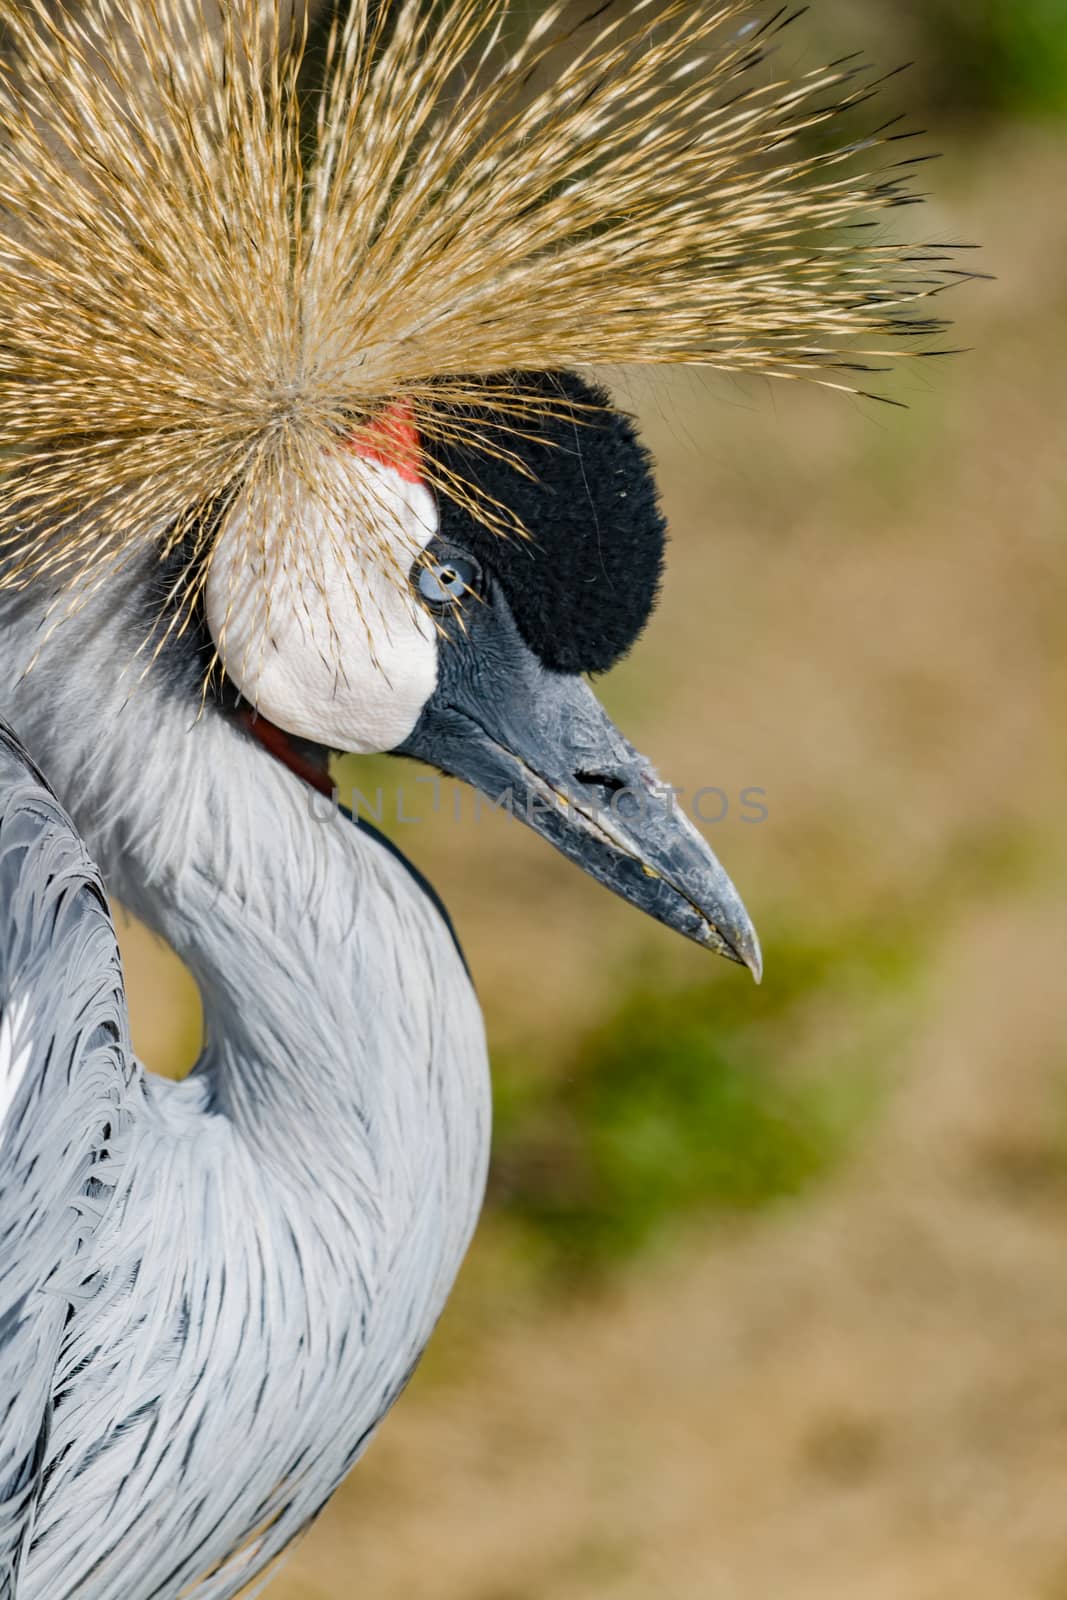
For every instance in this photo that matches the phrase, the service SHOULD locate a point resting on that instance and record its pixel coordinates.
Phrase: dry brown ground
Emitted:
(863, 1395)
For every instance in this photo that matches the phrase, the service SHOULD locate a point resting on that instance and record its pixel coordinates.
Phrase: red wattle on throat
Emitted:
(282, 746)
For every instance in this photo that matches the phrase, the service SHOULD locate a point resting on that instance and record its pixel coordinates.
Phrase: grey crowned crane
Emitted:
(297, 460)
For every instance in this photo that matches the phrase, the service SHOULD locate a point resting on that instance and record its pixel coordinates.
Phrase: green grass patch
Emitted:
(1001, 57)
(713, 1099)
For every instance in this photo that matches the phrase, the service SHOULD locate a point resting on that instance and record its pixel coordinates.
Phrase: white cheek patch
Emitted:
(309, 605)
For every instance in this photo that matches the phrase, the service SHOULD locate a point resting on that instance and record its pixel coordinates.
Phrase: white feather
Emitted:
(336, 650)
(16, 1050)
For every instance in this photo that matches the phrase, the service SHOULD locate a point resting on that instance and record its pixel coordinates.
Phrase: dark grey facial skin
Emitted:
(502, 722)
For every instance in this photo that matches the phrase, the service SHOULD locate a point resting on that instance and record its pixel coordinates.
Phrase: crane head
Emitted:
(469, 648)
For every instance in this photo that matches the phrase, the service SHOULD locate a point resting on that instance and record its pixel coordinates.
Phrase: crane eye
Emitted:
(447, 581)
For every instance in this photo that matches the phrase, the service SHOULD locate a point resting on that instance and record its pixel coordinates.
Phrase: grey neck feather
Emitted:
(332, 990)
(315, 1181)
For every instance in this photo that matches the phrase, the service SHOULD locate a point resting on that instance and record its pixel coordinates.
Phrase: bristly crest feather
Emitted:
(190, 312)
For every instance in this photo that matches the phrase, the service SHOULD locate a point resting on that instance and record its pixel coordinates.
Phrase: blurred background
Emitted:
(770, 1297)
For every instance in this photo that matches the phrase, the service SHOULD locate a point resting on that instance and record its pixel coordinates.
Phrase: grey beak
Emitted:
(540, 745)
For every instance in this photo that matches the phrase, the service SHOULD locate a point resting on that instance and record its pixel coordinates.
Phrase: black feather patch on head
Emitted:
(584, 584)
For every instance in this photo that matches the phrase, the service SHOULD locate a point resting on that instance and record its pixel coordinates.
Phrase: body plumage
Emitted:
(228, 1313)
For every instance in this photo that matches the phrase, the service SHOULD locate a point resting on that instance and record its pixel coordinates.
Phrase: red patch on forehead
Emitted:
(392, 440)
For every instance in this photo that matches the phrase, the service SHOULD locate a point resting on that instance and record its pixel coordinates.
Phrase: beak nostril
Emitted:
(609, 781)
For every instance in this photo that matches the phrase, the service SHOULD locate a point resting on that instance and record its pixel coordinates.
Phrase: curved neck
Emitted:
(343, 1039)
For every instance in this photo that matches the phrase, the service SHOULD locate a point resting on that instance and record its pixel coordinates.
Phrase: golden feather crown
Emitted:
(210, 281)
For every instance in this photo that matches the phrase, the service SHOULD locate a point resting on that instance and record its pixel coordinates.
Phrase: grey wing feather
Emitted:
(65, 1075)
